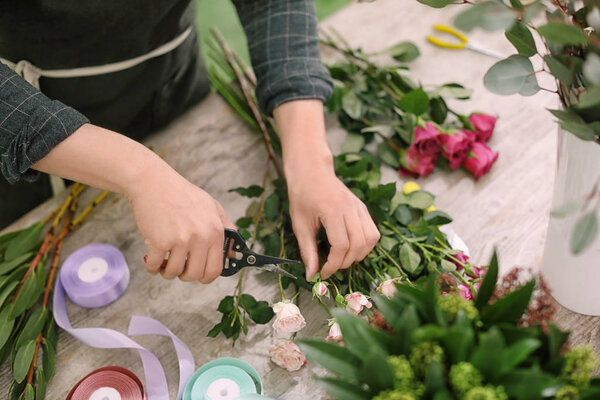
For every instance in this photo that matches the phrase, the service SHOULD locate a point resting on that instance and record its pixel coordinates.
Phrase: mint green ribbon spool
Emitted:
(224, 379)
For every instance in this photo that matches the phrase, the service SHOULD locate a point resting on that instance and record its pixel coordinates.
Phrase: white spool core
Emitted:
(105, 393)
(92, 270)
(222, 389)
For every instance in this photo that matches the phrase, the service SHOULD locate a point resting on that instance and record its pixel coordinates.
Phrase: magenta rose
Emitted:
(456, 145)
(426, 140)
(480, 160)
(484, 125)
(462, 258)
(415, 164)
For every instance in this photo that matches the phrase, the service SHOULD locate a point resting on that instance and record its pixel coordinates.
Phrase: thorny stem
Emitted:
(384, 252)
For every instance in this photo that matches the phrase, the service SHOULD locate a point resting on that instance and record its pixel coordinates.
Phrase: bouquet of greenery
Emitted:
(424, 345)
(570, 33)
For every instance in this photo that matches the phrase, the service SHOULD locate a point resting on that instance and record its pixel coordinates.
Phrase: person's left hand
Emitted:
(317, 198)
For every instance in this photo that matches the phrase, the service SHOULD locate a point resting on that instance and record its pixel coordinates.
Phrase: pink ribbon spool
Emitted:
(108, 383)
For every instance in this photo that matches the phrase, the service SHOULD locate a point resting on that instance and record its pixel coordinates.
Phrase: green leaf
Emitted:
(404, 52)
(438, 109)
(510, 307)
(29, 392)
(448, 266)
(435, 380)
(459, 339)
(562, 34)
(352, 105)
(261, 313)
(415, 102)
(518, 352)
(590, 98)
(7, 266)
(437, 3)
(420, 199)
(591, 68)
(40, 384)
(512, 75)
(48, 358)
(22, 360)
(388, 155)
(388, 242)
(567, 116)
(272, 207)
(489, 15)
(584, 232)
(33, 327)
(489, 284)
(565, 210)
(383, 192)
(336, 359)
(30, 292)
(244, 222)
(25, 242)
(520, 36)
(6, 325)
(437, 217)
(226, 305)
(409, 258)
(559, 70)
(343, 390)
(527, 384)
(6, 238)
(581, 130)
(487, 357)
(453, 91)
(403, 215)
(359, 336)
(250, 191)
(7, 291)
(354, 143)
(376, 372)
(215, 330)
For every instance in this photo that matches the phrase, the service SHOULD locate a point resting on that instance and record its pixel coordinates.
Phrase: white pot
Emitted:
(573, 280)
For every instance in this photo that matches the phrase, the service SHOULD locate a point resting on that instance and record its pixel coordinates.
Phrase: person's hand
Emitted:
(317, 198)
(178, 218)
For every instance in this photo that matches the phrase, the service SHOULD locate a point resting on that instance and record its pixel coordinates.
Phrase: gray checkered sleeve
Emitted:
(30, 125)
(284, 48)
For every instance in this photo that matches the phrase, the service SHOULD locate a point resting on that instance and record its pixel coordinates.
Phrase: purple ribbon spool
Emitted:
(95, 275)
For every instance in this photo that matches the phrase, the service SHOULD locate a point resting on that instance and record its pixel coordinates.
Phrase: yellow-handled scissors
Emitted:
(463, 42)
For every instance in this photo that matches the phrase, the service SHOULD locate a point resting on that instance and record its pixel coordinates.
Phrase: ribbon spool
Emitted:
(95, 275)
(108, 383)
(224, 379)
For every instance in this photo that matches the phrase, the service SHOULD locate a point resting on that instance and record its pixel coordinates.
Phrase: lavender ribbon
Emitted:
(103, 286)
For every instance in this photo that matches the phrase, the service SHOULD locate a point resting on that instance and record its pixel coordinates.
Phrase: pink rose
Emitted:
(287, 355)
(388, 288)
(456, 145)
(484, 125)
(320, 289)
(288, 318)
(462, 258)
(356, 301)
(465, 290)
(414, 164)
(335, 333)
(480, 160)
(476, 272)
(426, 140)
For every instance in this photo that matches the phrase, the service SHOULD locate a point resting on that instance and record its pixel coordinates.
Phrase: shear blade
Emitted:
(277, 270)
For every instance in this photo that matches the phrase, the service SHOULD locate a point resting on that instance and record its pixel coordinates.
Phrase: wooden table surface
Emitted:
(507, 209)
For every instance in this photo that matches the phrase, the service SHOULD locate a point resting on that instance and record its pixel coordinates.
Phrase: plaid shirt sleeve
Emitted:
(30, 125)
(284, 48)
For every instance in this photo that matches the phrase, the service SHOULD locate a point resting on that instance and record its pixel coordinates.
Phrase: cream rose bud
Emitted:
(355, 302)
(288, 318)
(320, 289)
(287, 355)
(335, 333)
(388, 288)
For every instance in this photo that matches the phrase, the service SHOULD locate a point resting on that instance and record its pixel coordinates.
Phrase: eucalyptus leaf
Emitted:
(590, 98)
(512, 75)
(22, 360)
(582, 130)
(567, 116)
(489, 15)
(585, 232)
(562, 34)
(559, 70)
(404, 51)
(591, 68)
(520, 36)
(565, 209)
(437, 3)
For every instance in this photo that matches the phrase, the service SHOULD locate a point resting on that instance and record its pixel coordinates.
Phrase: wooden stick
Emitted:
(87, 210)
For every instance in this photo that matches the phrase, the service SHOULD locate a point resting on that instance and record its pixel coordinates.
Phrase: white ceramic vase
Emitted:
(573, 279)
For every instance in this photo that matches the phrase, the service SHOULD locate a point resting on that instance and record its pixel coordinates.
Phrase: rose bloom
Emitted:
(484, 125)
(463, 258)
(335, 333)
(414, 164)
(426, 140)
(480, 160)
(388, 288)
(465, 290)
(355, 302)
(320, 289)
(288, 318)
(456, 146)
(476, 272)
(287, 355)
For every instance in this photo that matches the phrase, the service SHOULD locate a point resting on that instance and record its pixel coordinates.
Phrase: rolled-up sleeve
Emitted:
(284, 48)
(30, 125)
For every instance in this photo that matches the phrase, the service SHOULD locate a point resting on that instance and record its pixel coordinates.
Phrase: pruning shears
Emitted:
(463, 42)
(249, 258)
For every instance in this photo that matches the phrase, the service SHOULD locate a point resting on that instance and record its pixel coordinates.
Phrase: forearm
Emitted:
(104, 159)
(301, 126)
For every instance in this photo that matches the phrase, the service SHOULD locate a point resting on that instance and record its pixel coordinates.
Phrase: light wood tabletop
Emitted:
(507, 209)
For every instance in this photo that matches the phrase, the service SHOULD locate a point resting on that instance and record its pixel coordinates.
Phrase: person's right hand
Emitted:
(178, 218)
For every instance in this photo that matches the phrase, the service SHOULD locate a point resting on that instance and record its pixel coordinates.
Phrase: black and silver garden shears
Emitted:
(231, 266)
(249, 258)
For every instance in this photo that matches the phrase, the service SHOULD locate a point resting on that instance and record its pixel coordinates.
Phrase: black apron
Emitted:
(60, 34)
